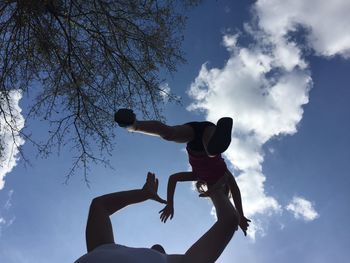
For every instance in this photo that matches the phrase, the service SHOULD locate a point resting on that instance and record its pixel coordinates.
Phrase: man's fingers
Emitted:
(150, 176)
(159, 199)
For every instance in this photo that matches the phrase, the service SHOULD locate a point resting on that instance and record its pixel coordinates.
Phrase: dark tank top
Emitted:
(198, 126)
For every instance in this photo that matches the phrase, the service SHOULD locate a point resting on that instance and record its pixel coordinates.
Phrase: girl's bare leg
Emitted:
(178, 133)
(210, 246)
(207, 134)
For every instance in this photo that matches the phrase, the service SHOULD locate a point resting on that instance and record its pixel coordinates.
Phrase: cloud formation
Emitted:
(164, 91)
(302, 209)
(4, 221)
(10, 139)
(264, 86)
(262, 107)
(327, 24)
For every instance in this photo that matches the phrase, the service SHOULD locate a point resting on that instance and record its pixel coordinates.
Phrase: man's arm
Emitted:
(210, 246)
(99, 228)
(168, 210)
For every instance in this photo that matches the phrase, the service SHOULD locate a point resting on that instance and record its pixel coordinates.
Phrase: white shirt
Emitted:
(113, 253)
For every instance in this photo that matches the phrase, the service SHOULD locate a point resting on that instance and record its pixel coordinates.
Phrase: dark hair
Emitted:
(158, 248)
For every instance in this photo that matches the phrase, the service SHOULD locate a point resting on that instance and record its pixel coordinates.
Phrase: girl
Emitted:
(205, 143)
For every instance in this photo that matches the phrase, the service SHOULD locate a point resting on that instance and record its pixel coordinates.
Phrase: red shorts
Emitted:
(207, 169)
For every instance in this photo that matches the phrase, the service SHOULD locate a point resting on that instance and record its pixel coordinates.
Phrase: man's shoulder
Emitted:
(175, 258)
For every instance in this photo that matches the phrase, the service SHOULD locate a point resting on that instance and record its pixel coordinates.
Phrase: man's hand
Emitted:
(151, 188)
(244, 223)
(167, 211)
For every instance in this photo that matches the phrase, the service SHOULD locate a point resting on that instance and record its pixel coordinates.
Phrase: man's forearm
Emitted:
(116, 201)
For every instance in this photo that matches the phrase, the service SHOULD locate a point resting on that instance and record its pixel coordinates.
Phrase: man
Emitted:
(102, 248)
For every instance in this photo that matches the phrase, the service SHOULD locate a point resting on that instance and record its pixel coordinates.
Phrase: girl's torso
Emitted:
(208, 169)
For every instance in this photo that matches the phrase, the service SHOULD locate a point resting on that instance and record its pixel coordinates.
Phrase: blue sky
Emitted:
(280, 69)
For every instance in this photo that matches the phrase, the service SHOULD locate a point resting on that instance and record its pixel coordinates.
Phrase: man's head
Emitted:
(158, 248)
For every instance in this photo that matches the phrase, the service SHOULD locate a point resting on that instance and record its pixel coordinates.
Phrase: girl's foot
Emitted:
(125, 118)
(221, 138)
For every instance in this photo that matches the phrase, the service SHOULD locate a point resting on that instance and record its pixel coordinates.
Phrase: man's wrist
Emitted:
(146, 194)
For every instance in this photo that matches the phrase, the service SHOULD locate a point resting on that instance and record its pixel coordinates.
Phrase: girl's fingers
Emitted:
(164, 217)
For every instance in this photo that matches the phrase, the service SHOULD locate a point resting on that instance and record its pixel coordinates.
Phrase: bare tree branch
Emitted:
(80, 60)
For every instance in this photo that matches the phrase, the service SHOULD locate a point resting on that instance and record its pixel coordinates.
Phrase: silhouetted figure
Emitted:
(102, 248)
(205, 143)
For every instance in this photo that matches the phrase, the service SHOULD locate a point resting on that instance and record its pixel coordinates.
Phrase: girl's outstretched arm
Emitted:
(168, 210)
(236, 196)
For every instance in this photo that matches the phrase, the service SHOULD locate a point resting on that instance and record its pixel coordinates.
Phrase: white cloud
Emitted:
(4, 221)
(10, 142)
(262, 107)
(265, 85)
(302, 209)
(165, 91)
(327, 22)
(8, 203)
(256, 227)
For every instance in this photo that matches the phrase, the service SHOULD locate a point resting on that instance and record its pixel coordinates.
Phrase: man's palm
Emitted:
(151, 187)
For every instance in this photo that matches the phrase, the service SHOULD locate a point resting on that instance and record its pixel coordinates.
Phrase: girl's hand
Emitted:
(151, 188)
(243, 224)
(167, 211)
